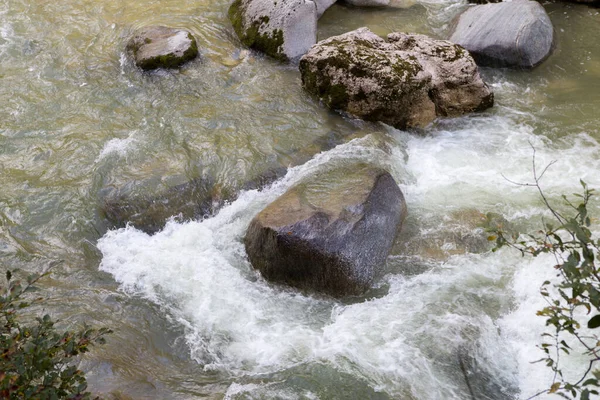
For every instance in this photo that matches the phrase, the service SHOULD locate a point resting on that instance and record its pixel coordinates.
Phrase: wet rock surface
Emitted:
(162, 47)
(330, 234)
(404, 81)
(515, 34)
(196, 199)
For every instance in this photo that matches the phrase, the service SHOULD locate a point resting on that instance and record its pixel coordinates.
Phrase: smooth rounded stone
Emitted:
(509, 34)
(283, 29)
(405, 81)
(331, 233)
(161, 47)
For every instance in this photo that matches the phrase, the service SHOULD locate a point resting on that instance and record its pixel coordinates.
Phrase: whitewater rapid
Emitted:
(468, 317)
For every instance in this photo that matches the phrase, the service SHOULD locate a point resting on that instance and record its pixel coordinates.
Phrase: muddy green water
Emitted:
(77, 119)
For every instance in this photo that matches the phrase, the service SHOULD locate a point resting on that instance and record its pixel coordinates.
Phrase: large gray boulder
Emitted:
(509, 34)
(330, 234)
(161, 47)
(283, 29)
(404, 81)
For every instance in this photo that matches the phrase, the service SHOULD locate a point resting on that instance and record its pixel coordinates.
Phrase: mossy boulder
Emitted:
(517, 34)
(331, 233)
(283, 29)
(162, 47)
(404, 81)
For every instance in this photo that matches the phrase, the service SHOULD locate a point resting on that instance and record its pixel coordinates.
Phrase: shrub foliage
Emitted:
(37, 361)
(572, 312)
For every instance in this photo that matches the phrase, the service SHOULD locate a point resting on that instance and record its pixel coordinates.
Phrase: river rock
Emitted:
(330, 234)
(283, 29)
(509, 34)
(404, 81)
(161, 47)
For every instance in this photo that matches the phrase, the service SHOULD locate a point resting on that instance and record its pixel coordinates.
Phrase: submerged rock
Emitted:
(460, 232)
(195, 199)
(161, 47)
(508, 34)
(283, 29)
(404, 81)
(150, 212)
(330, 234)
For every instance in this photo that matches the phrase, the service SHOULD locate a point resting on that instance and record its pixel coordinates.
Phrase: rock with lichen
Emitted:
(404, 80)
(330, 233)
(283, 29)
(162, 47)
(516, 34)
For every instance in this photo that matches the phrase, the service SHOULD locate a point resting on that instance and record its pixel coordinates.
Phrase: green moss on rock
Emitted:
(256, 35)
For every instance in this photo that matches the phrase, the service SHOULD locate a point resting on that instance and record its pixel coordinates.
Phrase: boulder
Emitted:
(330, 234)
(161, 47)
(515, 34)
(283, 29)
(404, 81)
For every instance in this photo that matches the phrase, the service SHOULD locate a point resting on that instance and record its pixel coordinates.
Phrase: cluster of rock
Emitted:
(332, 233)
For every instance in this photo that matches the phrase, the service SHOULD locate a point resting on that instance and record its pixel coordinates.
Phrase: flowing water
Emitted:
(450, 320)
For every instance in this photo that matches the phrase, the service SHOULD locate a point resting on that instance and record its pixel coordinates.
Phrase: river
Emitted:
(191, 319)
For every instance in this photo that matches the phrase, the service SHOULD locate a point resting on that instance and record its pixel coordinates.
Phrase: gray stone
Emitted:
(330, 234)
(404, 81)
(283, 29)
(509, 34)
(161, 47)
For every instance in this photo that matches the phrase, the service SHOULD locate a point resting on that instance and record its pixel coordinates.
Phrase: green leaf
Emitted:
(594, 322)
(8, 275)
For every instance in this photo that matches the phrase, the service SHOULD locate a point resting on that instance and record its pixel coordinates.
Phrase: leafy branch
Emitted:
(576, 292)
(37, 361)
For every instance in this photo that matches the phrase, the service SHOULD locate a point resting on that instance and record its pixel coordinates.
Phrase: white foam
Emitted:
(119, 147)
